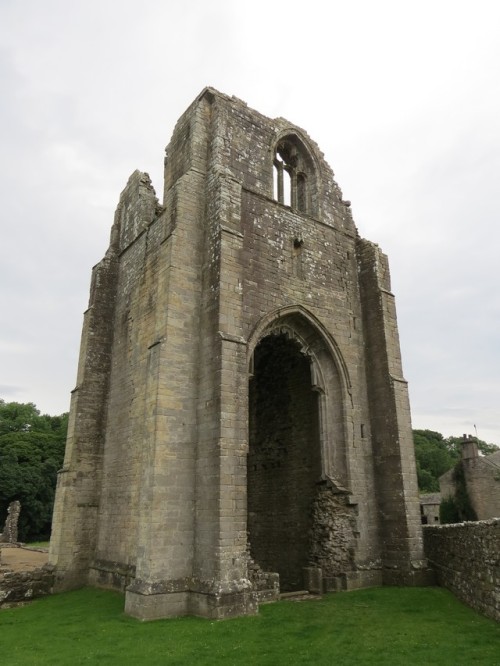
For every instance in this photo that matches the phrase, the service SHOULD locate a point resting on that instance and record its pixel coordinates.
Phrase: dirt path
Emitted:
(21, 559)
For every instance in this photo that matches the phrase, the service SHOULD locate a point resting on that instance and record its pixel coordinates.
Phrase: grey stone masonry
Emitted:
(21, 586)
(10, 531)
(240, 418)
(466, 558)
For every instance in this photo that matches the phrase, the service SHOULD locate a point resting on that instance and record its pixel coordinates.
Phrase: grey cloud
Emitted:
(89, 94)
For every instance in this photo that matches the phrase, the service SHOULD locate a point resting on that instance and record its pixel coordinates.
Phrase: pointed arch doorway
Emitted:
(284, 462)
(298, 395)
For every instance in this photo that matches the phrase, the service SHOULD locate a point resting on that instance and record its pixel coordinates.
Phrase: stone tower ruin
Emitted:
(240, 425)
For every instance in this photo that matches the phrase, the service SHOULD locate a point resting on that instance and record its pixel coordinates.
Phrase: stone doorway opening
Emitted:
(284, 460)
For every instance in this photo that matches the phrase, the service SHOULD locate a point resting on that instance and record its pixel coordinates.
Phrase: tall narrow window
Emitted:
(294, 179)
(282, 181)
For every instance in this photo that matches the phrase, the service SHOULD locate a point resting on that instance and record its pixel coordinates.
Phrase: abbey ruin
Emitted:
(240, 425)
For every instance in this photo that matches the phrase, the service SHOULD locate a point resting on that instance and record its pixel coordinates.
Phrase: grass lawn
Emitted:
(38, 544)
(389, 626)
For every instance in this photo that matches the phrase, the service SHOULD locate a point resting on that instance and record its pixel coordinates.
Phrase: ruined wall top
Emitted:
(137, 208)
(9, 533)
(221, 137)
(221, 134)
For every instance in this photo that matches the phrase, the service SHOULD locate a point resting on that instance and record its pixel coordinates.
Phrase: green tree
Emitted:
(434, 457)
(31, 452)
(448, 511)
(21, 417)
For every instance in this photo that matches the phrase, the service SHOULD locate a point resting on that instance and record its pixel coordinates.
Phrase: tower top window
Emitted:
(294, 178)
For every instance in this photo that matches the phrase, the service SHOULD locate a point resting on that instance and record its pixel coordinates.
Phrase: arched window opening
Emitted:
(292, 170)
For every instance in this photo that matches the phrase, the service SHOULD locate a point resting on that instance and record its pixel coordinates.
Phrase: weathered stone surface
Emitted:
(19, 586)
(239, 349)
(9, 533)
(466, 558)
(333, 534)
(429, 508)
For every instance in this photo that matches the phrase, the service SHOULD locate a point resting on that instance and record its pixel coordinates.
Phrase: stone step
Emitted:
(298, 595)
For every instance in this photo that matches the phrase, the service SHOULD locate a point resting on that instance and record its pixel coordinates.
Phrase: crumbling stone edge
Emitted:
(19, 586)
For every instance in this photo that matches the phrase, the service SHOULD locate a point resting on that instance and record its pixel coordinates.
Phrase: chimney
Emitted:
(469, 447)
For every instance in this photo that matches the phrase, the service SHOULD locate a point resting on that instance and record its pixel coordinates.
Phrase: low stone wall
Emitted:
(466, 559)
(24, 574)
(25, 585)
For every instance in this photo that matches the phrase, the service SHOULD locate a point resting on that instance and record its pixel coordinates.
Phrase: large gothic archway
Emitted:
(283, 459)
(297, 412)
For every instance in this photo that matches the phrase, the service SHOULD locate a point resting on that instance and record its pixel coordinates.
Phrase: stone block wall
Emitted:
(19, 586)
(482, 476)
(466, 559)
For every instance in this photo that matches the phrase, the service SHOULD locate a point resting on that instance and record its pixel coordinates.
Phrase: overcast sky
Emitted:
(402, 97)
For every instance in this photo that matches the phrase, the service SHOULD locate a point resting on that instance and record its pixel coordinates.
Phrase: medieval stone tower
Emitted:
(240, 424)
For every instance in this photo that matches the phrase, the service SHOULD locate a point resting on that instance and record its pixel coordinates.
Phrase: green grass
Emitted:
(38, 544)
(389, 626)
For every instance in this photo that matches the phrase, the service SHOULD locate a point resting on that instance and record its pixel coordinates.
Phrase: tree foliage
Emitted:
(448, 511)
(435, 455)
(31, 452)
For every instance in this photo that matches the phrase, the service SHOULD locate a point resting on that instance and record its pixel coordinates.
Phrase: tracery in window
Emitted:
(293, 175)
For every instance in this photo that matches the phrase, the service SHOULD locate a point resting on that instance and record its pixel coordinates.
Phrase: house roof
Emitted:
(494, 457)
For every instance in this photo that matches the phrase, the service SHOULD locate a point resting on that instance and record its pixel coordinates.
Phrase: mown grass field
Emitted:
(389, 626)
(38, 544)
